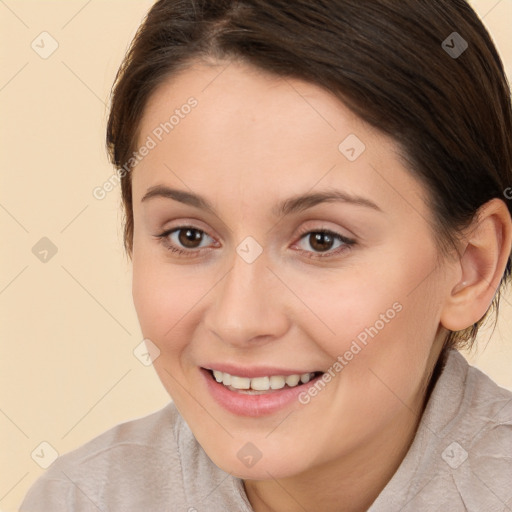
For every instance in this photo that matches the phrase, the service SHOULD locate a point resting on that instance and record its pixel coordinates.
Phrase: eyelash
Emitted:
(347, 242)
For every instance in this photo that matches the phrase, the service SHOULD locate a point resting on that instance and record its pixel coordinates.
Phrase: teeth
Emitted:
(239, 382)
(277, 382)
(305, 377)
(292, 380)
(261, 383)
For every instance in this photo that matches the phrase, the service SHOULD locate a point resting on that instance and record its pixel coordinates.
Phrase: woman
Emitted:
(316, 211)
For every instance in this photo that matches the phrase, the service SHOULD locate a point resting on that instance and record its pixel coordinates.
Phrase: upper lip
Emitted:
(254, 371)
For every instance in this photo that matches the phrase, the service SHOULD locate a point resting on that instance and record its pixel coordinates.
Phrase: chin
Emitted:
(277, 465)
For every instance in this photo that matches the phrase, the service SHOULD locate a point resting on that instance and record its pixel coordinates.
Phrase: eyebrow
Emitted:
(291, 205)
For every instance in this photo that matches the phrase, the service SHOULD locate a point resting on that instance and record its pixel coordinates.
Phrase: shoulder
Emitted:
(483, 416)
(461, 456)
(131, 461)
(482, 442)
(468, 404)
(469, 424)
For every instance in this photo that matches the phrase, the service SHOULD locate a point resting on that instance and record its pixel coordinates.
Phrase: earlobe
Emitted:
(482, 264)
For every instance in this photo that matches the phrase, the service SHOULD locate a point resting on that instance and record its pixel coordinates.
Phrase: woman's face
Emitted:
(259, 293)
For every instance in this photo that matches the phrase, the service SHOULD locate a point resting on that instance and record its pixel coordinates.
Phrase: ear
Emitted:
(486, 249)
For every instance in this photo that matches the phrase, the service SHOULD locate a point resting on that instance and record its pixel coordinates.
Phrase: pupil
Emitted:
(187, 237)
(320, 240)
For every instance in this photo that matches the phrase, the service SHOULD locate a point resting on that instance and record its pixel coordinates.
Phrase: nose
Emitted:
(248, 306)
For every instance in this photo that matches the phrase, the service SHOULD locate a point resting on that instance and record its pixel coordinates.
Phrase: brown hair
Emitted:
(450, 114)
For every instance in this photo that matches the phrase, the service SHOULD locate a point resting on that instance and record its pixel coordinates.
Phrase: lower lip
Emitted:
(243, 404)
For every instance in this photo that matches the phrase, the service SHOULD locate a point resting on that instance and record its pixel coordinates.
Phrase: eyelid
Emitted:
(321, 226)
(184, 223)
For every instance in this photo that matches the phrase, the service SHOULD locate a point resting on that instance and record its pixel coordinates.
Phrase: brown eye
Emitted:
(185, 240)
(189, 237)
(321, 241)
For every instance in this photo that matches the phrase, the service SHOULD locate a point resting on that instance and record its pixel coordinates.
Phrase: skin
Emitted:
(253, 141)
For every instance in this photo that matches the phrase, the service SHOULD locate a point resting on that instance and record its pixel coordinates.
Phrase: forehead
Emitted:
(262, 136)
(236, 100)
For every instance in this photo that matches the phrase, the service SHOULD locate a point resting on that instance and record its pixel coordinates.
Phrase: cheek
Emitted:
(347, 305)
(163, 295)
(166, 300)
(386, 315)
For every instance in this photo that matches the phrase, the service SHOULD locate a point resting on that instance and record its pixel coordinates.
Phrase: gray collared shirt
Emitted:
(460, 460)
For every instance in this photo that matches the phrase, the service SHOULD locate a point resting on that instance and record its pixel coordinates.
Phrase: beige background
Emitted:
(67, 370)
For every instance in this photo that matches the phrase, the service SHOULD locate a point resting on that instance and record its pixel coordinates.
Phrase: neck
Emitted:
(353, 483)
(349, 485)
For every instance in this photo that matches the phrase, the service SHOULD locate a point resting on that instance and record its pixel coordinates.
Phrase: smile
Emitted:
(259, 385)
(258, 394)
